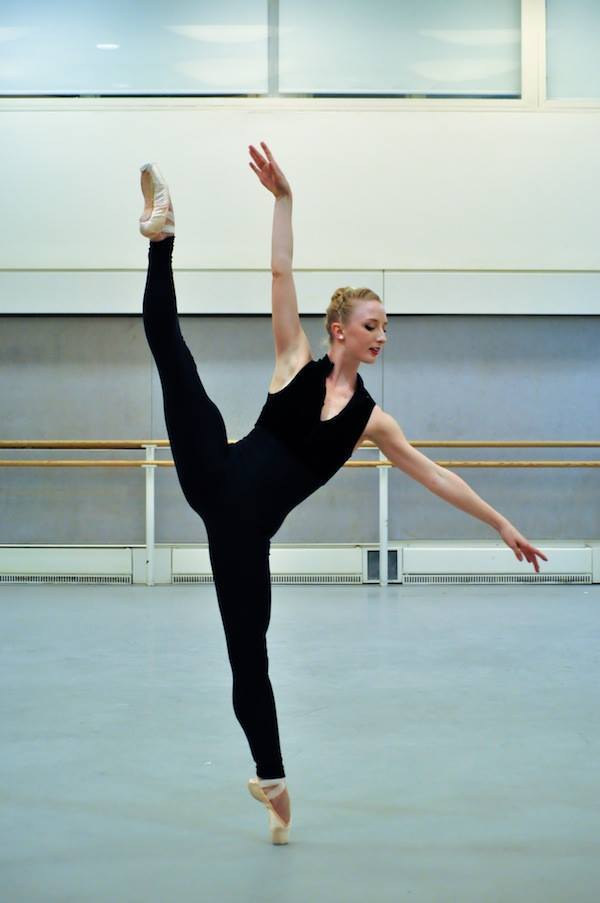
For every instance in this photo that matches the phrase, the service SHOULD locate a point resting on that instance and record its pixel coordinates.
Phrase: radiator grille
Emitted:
(193, 578)
(278, 578)
(497, 578)
(65, 578)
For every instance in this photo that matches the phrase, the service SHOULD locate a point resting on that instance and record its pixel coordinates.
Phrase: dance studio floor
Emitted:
(441, 744)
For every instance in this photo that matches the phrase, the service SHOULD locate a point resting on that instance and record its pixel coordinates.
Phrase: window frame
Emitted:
(533, 87)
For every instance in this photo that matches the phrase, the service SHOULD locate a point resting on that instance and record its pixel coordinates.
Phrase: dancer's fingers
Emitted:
(272, 160)
(267, 151)
(532, 551)
(258, 158)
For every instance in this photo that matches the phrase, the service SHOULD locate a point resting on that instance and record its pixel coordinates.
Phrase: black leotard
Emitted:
(293, 415)
(291, 452)
(244, 491)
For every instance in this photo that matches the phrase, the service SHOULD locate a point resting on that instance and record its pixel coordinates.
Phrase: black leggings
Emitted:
(238, 547)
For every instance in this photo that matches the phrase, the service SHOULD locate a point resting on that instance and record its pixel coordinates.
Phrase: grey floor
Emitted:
(441, 744)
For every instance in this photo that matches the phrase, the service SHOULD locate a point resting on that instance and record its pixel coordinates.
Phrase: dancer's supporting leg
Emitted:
(194, 423)
(240, 564)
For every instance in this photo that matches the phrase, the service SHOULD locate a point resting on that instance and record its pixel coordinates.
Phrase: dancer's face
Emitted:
(366, 331)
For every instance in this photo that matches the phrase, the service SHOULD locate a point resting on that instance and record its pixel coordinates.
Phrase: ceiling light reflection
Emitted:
(13, 34)
(226, 72)
(221, 34)
(462, 70)
(472, 37)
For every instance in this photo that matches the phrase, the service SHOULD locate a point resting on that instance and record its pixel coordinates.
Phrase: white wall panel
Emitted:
(249, 292)
(98, 292)
(424, 190)
(492, 293)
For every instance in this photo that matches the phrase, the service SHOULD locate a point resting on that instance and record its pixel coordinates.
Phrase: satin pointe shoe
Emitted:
(157, 220)
(280, 831)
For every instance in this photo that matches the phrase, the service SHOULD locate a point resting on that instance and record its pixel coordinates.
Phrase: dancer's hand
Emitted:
(520, 545)
(269, 172)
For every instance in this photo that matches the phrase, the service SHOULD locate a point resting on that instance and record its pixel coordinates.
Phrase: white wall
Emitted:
(415, 203)
(417, 190)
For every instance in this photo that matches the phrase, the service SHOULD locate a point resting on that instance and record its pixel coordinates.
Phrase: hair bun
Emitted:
(340, 296)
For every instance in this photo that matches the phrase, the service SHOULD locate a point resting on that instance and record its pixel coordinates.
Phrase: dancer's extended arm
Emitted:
(290, 339)
(387, 434)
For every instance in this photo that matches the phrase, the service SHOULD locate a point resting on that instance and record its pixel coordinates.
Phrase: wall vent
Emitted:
(497, 578)
(373, 565)
(65, 578)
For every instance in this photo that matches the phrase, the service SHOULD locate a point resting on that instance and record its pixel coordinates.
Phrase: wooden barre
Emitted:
(385, 463)
(164, 443)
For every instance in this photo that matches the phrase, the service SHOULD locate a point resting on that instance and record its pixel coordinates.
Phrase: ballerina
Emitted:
(316, 413)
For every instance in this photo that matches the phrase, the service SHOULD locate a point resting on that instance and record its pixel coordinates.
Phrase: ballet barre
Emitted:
(150, 463)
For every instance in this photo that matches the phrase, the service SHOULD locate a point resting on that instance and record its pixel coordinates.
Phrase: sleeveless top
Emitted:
(293, 415)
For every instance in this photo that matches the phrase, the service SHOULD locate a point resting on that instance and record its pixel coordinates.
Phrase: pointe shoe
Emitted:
(157, 220)
(280, 831)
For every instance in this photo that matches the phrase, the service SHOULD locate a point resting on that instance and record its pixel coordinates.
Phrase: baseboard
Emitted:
(415, 562)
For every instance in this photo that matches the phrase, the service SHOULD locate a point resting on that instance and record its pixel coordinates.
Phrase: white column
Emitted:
(150, 469)
(383, 521)
(533, 53)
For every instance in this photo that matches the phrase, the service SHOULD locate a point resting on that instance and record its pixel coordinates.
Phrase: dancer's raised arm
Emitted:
(291, 343)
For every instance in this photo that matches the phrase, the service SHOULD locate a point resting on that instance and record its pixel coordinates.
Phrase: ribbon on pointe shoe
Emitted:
(279, 787)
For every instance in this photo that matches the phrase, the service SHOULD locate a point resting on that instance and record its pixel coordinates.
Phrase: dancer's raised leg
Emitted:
(194, 423)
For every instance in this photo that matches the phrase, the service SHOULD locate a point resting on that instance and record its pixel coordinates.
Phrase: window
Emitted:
(447, 48)
(572, 48)
(86, 47)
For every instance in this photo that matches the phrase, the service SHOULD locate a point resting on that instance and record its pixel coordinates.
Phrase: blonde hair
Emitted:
(342, 305)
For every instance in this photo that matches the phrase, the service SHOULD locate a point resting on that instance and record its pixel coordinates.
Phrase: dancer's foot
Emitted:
(280, 803)
(158, 219)
(275, 797)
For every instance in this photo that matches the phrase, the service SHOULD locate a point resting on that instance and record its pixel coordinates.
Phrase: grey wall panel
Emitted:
(71, 506)
(72, 378)
(446, 377)
(497, 378)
